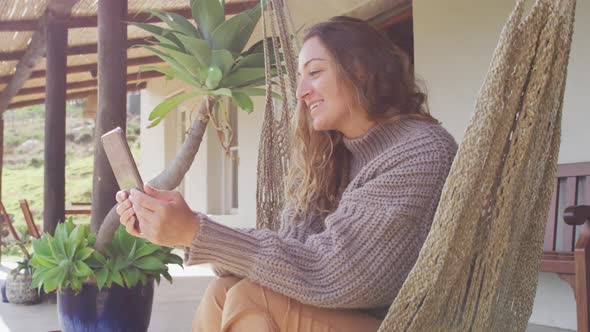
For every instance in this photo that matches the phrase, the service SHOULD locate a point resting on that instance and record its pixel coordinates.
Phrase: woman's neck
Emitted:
(377, 139)
(357, 128)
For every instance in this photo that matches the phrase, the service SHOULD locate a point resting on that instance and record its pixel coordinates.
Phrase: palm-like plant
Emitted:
(210, 57)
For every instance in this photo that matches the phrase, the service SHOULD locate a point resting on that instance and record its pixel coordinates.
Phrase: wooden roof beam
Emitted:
(138, 61)
(91, 83)
(28, 59)
(72, 96)
(75, 50)
(231, 8)
(401, 18)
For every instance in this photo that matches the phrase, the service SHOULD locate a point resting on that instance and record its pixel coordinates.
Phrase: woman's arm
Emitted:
(362, 258)
(291, 226)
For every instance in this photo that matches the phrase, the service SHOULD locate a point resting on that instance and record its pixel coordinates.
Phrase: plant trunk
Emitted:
(171, 177)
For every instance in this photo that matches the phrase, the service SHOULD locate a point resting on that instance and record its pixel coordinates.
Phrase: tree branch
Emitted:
(171, 177)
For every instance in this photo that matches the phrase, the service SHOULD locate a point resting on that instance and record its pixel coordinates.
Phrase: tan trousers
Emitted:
(231, 304)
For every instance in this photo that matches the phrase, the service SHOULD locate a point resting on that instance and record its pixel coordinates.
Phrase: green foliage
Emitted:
(167, 105)
(23, 266)
(62, 261)
(25, 240)
(209, 56)
(208, 14)
(129, 260)
(68, 259)
(22, 179)
(233, 34)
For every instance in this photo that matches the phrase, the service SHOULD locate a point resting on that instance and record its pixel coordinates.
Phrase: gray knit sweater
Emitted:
(358, 256)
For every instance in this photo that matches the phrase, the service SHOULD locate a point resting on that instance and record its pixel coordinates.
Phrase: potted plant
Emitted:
(112, 290)
(18, 282)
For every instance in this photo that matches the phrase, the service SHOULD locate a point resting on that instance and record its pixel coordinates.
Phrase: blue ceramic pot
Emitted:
(112, 309)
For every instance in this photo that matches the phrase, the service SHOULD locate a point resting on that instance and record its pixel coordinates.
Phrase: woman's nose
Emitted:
(303, 89)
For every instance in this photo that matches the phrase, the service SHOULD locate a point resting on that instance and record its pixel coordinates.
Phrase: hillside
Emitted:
(22, 175)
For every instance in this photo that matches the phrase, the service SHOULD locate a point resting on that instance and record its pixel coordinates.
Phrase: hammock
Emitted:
(478, 268)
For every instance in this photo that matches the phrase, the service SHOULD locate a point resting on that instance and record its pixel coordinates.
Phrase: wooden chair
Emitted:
(8, 221)
(579, 215)
(562, 254)
(24, 205)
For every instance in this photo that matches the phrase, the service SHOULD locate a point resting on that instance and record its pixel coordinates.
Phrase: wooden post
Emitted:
(1, 155)
(112, 100)
(55, 125)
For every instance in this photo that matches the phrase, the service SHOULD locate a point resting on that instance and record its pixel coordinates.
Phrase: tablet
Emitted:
(121, 160)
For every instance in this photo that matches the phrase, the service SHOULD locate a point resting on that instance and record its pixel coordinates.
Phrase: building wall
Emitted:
(454, 41)
(153, 155)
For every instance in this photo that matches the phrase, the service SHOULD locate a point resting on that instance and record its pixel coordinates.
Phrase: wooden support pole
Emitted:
(112, 101)
(1, 155)
(55, 126)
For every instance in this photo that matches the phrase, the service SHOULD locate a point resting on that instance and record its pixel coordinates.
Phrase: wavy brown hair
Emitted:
(379, 76)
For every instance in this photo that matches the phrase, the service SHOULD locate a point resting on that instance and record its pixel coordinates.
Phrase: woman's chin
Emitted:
(323, 122)
(319, 125)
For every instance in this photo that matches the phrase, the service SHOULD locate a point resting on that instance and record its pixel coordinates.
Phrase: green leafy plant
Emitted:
(129, 260)
(209, 56)
(23, 266)
(68, 259)
(62, 261)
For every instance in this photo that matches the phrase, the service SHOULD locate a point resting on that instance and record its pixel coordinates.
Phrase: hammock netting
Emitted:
(478, 268)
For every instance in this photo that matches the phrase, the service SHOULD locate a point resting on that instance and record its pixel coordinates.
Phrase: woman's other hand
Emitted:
(126, 213)
(164, 217)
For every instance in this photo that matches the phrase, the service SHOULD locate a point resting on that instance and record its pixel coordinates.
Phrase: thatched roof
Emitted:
(20, 18)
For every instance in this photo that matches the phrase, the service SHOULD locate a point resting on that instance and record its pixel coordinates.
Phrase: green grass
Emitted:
(27, 183)
(23, 173)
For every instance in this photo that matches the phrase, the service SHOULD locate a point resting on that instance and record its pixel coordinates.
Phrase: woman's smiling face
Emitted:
(320, 89)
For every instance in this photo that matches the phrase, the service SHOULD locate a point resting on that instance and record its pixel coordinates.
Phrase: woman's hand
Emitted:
(164, 217)
(126, 212)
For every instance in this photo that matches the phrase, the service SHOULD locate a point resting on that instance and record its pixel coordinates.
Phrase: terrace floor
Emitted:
(173, 308)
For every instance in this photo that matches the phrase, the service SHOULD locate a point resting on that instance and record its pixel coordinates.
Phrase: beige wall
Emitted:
(454, 41)
(201, 185)
(153, 155)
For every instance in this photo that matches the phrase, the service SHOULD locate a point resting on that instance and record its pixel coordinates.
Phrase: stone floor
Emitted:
(173, 309)
(540, 328)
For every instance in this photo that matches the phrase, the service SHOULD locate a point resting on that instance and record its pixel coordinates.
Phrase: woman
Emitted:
(369, 165)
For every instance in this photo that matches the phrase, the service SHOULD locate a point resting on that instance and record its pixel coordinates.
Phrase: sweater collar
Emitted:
(365, 148)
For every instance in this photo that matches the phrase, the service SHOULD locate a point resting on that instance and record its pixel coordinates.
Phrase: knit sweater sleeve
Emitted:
(369, 245)
(291, 226)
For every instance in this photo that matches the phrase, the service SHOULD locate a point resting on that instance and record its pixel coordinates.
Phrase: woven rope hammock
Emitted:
(478, 268)
(274, 149)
